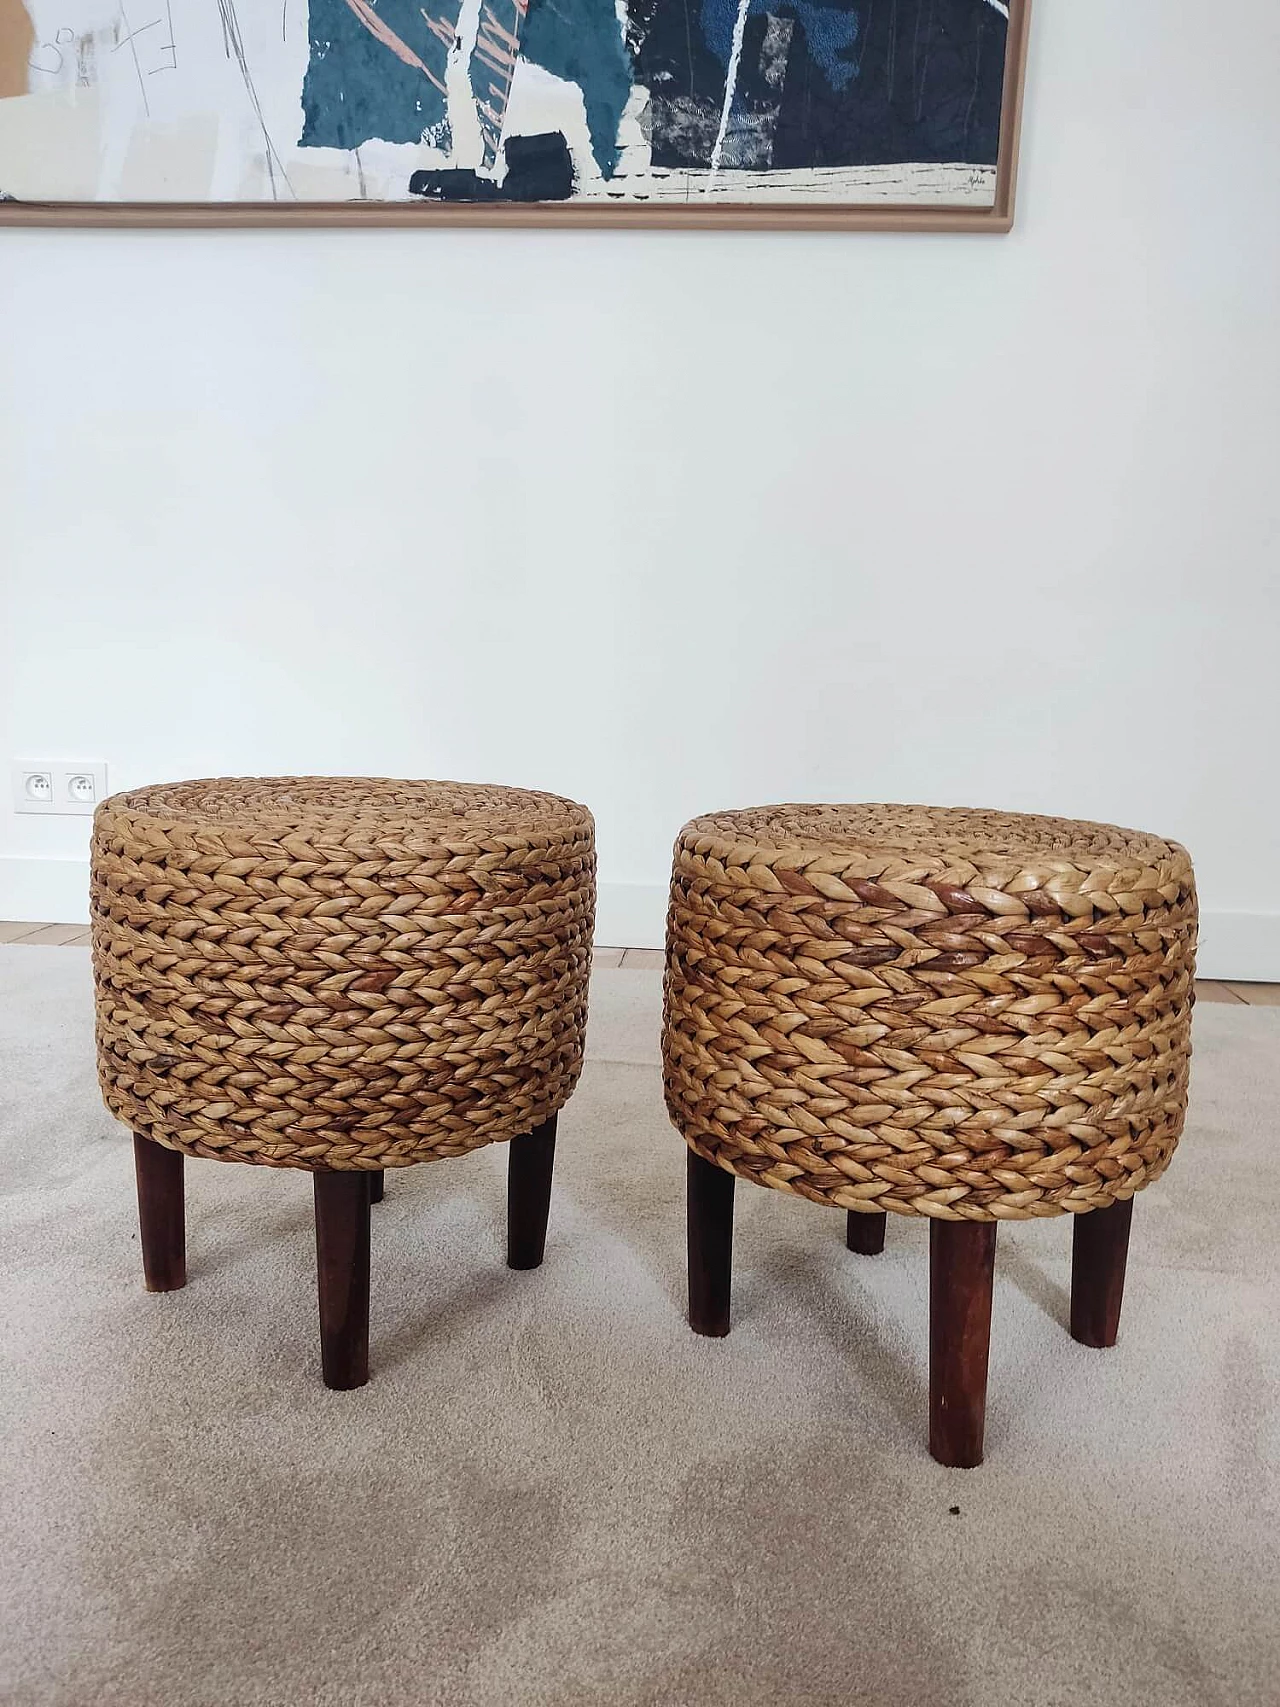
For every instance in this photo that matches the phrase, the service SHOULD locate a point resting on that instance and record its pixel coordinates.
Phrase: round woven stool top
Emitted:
(968, 1014)
(339, 972)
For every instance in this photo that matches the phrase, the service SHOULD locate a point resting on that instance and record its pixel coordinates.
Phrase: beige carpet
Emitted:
(552, 1492)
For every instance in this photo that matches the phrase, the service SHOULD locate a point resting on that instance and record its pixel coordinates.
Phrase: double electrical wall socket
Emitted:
(61, 786)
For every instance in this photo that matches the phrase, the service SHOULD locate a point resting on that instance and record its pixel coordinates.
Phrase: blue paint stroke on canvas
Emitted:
(376, 71)
(830, 30)
(581, 41)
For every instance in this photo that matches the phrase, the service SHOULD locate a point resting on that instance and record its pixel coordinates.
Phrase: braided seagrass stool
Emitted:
(341, 974)
(971, 1016)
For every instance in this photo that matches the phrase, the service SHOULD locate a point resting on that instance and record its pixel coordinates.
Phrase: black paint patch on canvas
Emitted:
(928, 87)
(454, 184)
(926, 84)
(539, 169)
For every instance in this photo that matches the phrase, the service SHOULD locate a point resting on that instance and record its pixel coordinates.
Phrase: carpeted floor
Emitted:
(552, 1492)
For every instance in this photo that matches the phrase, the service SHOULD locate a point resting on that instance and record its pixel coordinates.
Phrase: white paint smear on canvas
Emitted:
(932, 185)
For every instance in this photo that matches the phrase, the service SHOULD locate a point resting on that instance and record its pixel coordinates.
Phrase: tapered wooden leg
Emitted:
(961, 1267)
(710, 1210)
(375, 1187)
(1099, 1249)
(161, 1215)
(530, 1161)
(342, 1270)
(865, 1233)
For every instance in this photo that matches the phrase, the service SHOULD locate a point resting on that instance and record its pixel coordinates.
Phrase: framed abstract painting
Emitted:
(787, 114)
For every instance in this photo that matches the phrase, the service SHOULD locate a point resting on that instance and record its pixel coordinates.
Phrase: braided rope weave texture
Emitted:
(334, 972)
(962, 1014)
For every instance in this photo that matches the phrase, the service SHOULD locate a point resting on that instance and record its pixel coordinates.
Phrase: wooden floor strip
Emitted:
(54, 936)
(16, 932)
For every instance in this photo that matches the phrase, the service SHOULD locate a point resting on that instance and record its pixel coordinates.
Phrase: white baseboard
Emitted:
(1244, 947)
(48, 891)
(631, 915)
(1238, 946)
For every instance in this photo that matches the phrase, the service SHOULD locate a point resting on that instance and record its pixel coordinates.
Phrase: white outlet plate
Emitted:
(58, 787)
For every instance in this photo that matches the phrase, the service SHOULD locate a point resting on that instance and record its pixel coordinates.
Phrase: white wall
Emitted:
(670, 522)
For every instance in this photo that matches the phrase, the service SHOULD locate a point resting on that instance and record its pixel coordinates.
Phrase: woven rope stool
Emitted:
(340, 974)
(971, 1016)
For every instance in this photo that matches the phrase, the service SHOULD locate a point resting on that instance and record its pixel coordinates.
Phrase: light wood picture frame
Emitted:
(945, 195)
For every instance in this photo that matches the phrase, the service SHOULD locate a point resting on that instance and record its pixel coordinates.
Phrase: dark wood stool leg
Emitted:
(710, 1226)
(161, 1215)
(530, 1161)
(961, 1267)
(1099, 1248)
(865, 1233)
(342, 1269)
(375, 1187)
